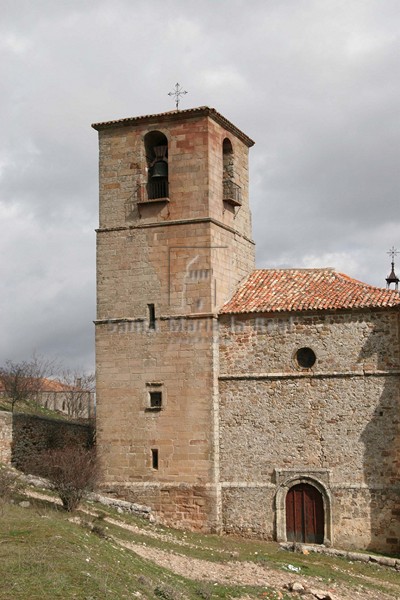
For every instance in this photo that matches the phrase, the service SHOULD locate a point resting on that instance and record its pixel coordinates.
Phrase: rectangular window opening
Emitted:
(152, 316)
(155, 400)
(154, 458)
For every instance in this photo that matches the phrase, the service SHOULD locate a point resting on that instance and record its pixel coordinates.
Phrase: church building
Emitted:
(229, 398)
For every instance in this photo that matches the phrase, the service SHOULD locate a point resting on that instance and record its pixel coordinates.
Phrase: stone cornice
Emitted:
(310, 375)
(177, 115)
(176, 222)
(113, 320)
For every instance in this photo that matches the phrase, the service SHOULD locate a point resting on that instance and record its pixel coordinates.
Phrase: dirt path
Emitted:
(233, 572)
(247, 573)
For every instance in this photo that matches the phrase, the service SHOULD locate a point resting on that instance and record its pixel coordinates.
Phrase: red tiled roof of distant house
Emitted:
(53, 385)
(49, 385)
(287, 290)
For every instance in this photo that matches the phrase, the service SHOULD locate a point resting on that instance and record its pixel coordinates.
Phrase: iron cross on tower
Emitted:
(392, 278)
(177, 94)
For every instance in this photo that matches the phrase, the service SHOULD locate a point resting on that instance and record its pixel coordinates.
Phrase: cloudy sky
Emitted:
(314, 82)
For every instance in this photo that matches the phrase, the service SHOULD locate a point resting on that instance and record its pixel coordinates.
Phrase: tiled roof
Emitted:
(53, 385)
(49, 385)
(286, 290)
(176, 115)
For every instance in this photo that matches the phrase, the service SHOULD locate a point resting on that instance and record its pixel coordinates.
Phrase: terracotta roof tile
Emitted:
(286, 290)
(49, 385)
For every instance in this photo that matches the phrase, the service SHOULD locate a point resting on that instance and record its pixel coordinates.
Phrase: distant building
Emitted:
(70, 400)
(264, 402)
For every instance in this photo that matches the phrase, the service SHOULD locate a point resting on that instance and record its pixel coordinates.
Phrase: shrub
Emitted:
(10, 483)
(71, 471)
(166, 592)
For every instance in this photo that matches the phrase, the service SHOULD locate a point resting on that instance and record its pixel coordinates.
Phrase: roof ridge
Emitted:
(298, 269)
(361, 283)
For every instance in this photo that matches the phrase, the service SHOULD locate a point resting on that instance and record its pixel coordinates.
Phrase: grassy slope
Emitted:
(32, 408)
(42, 555)
(45, 556)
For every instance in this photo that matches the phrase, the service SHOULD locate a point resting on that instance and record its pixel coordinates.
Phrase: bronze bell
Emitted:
(160, 169)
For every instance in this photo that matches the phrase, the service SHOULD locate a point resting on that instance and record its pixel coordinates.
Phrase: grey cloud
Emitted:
(315, 84)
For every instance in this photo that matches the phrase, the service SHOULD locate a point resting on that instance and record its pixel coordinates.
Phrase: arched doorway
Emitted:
(304, 514)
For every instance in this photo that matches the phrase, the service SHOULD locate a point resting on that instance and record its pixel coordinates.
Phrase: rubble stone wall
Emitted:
(5, 437)
(33, 434)
(337, 422)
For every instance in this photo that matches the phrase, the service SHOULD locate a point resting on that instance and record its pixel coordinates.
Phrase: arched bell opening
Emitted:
(227, 159)
(156, 148)
(232, 193)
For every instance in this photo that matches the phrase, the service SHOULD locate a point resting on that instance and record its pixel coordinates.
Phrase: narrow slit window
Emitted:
(154, 458)
(152, 316)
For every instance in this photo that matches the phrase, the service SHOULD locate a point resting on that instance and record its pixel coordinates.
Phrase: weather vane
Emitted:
(177, 94)
(393, 253)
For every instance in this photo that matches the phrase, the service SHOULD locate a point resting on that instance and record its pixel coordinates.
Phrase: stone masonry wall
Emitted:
(181, 506)
(134, 364)
(346, 342)
(184, 255)
(170, 249)
(195, 174)
(33, 434)
(5, 437)
(338, 421)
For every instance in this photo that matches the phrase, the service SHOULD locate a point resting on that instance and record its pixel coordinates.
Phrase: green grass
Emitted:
(216, 548)
(43, 555)
(33, 408)
(227, 548)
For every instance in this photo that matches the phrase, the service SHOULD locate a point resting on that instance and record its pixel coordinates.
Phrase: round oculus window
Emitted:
(305, 358)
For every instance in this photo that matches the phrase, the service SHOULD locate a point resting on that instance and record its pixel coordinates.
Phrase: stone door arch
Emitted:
(304, 514)
(312, 484)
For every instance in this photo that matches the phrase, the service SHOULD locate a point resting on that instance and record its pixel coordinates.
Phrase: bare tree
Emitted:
(71, 471)
(23, 381)
(78, 390)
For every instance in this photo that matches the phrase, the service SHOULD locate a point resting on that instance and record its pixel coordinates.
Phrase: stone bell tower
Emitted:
(174, 240)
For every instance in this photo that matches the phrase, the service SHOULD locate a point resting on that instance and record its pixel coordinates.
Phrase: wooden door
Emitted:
(304, 515)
